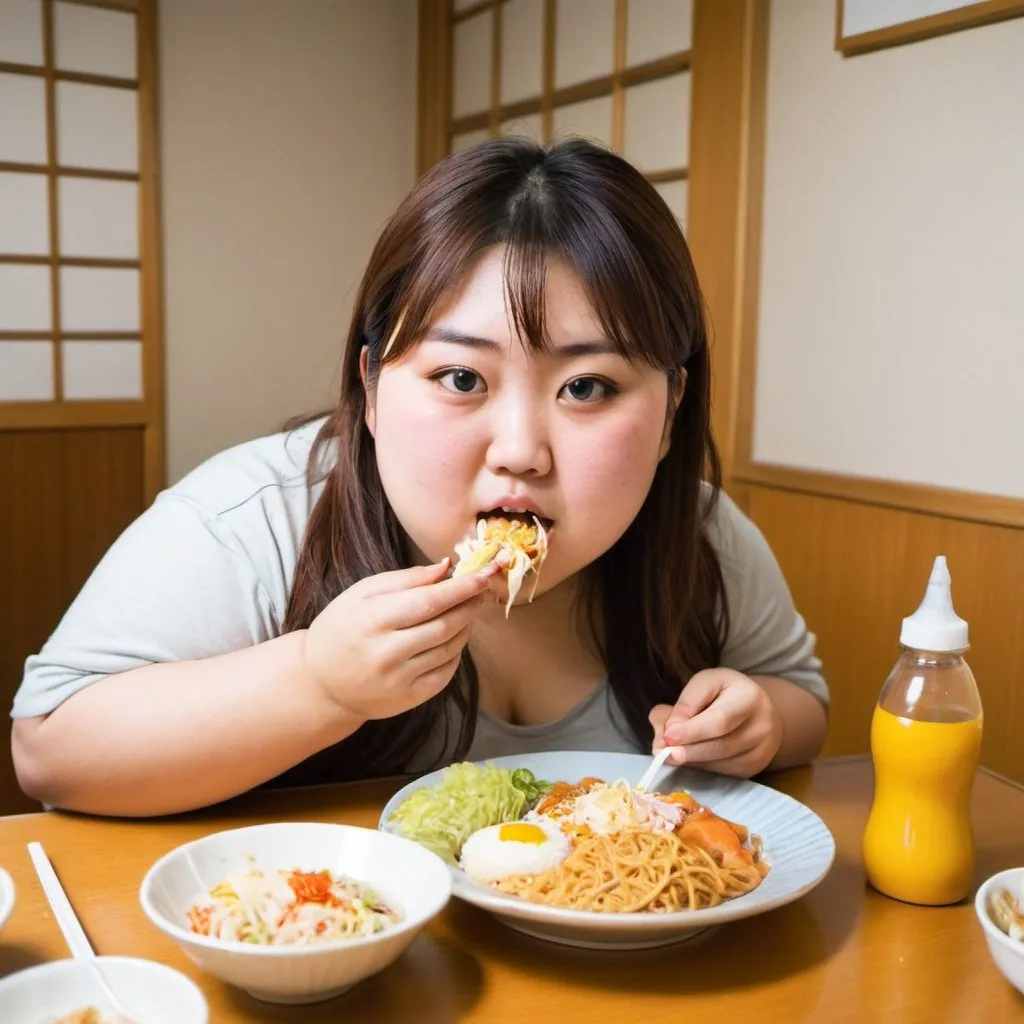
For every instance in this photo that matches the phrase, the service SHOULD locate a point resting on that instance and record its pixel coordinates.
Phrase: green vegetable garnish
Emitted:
(529, 785)
(467, 798)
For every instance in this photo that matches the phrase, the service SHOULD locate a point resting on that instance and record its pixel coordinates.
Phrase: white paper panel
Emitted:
(532, 127)
(891, 313)
(99, 218)
(21, 31)
(675, 193)
(584, 40)
(96, 127)
(24, 214)
(658, 28)
(94, 40)
(102, 369)
(99, 299)
(522, 43)
(658, 123)
(591, 119)
(22, 119)
(25, 298)
(867, 15)
(471, 72)
(26, 371)
(467, 139)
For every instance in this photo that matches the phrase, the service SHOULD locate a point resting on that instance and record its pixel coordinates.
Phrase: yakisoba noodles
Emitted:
(635, 870)
(610, 848)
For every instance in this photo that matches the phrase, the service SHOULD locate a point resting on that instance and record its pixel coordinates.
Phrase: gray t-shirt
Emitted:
(207, 569)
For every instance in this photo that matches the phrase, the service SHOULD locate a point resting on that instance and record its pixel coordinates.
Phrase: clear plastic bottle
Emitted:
(925, 744)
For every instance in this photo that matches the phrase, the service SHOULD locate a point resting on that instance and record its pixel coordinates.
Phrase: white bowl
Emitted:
(7, 896)
(797, 845)
(1006, 952)
(407, 876)
(159, 994)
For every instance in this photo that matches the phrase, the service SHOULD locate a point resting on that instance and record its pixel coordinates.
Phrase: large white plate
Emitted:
(797, 845)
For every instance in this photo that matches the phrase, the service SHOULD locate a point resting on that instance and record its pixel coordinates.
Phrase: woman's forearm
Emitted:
(804, 721)
(166, 738)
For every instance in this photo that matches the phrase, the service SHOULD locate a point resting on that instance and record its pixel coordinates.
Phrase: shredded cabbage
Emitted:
(468, 798)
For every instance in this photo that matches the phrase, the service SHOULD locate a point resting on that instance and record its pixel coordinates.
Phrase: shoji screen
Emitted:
(617, 71)
(79, 302)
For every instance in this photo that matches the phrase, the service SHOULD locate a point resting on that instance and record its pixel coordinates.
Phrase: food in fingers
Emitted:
(516, 546)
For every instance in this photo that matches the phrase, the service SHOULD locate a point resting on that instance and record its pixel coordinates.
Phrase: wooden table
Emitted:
(843, 953)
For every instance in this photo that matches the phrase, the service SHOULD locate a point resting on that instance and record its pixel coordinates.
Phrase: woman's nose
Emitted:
(519, 440)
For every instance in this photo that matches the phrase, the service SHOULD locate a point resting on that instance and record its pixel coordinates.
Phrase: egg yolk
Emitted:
(522, 832)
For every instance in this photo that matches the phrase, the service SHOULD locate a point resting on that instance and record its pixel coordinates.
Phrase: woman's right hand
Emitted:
(392, 641)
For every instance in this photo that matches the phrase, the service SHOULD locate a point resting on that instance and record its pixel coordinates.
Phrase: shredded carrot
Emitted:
(200, 919)
(313, 887)
(556, 794)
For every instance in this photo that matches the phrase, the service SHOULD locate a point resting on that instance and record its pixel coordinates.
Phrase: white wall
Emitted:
(288, 137)
(891, 335)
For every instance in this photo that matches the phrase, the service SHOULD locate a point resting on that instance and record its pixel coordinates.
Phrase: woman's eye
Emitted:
(461, 381)
(588, 389)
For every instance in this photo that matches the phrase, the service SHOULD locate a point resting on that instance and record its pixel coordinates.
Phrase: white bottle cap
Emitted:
(935, 626)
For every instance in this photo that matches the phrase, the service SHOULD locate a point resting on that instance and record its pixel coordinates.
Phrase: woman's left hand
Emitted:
(723, 721)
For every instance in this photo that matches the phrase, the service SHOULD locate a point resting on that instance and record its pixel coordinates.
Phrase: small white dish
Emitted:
(8, 896)
(797, 845)
(408, 877)
(159, 993)
(1007, 953)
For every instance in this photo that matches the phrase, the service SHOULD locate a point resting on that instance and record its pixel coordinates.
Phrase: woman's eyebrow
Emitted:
(452, 337)
(599, 346)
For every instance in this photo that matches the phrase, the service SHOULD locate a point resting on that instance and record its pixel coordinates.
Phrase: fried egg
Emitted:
(515, 848)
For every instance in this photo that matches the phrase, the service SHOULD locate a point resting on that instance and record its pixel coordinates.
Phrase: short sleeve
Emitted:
(767, 635)
(175, 586)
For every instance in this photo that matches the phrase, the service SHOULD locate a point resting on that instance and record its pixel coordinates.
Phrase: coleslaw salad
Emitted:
(290, 908)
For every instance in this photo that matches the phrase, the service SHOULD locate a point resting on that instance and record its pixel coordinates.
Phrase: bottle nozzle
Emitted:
(940, 573)
(938, 592)
(935, 626)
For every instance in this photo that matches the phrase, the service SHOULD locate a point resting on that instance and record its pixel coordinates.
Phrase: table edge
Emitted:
(817, 764)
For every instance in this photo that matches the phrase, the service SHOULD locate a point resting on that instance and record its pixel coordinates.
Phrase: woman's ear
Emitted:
(371, 414)
(677, 388)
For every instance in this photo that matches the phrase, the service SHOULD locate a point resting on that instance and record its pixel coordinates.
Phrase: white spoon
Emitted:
(656, 765)
(71, 929)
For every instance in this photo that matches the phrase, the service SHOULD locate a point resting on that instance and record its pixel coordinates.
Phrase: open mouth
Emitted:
(516, 515)
(513, 539)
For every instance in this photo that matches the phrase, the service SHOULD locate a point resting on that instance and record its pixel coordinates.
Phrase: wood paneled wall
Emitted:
(64, 498)
(856, 552)
(857, 569)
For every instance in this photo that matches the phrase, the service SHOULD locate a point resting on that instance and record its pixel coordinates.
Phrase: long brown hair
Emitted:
(655, 600)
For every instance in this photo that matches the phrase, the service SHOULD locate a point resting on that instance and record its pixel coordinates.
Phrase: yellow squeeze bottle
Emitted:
(925, 744)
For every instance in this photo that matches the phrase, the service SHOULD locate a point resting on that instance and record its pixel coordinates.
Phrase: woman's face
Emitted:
(470, 419)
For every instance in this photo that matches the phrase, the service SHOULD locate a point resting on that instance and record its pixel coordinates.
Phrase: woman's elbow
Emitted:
(34, 761)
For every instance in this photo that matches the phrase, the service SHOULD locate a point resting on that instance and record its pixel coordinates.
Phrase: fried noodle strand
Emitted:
(634, 870)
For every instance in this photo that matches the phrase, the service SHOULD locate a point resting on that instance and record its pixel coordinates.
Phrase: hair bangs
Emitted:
(408, 312)
(595, 226)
